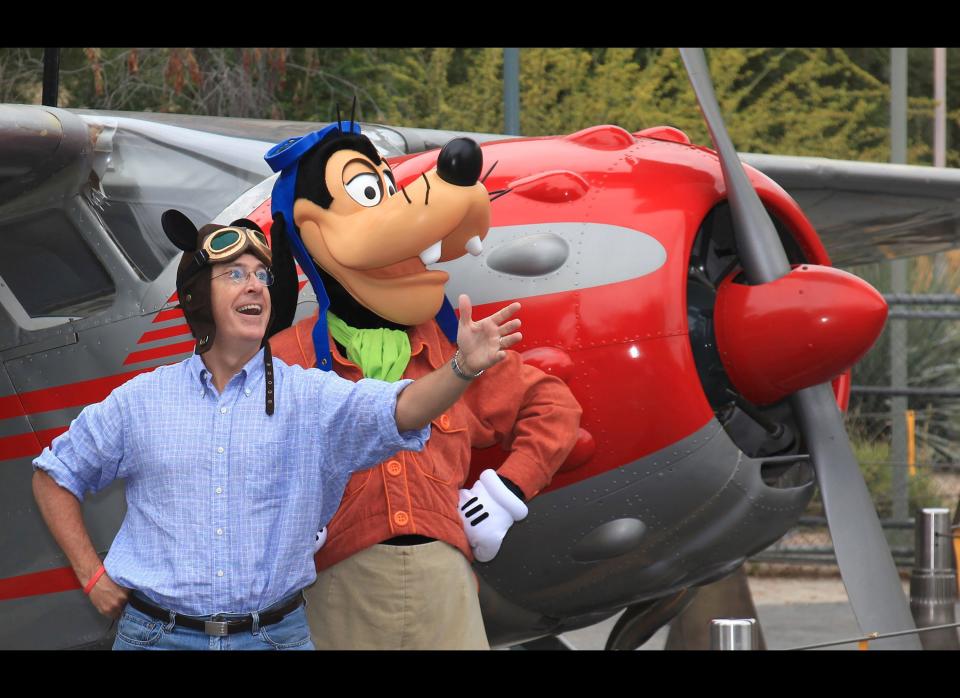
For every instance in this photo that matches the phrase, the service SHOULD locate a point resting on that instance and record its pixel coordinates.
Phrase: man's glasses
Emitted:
(239, 276)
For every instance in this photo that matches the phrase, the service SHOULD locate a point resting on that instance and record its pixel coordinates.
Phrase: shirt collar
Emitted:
(200, 374)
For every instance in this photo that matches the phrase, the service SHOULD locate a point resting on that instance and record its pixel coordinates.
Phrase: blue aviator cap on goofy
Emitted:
(285, 159)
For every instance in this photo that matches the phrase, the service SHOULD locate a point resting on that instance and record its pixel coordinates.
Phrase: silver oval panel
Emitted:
(519, 261)
(533, 255)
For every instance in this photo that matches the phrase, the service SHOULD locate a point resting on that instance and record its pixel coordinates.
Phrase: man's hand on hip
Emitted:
(109, 598)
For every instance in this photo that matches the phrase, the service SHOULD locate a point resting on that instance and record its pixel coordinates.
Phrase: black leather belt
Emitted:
(409, 539)
(218, 624)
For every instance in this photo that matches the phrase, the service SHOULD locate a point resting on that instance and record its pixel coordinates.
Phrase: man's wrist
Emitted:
(94, 578)
(460, 369)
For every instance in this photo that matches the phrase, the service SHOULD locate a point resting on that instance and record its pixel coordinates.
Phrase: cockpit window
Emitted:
(50, 269)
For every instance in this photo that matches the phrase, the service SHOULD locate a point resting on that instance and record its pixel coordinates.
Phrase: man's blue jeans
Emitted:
(138, 631)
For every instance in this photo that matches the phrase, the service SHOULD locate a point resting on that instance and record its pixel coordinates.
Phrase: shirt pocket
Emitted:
(446, 458)
(268, 472)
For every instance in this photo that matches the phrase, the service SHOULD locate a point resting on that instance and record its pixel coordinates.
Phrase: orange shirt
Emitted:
(526, 411)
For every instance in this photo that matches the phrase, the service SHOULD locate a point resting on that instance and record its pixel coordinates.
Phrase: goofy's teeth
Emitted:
(475, 245)
(432, 254)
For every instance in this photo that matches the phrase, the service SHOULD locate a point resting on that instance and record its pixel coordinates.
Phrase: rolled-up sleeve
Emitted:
(413, 440)
(88, 456)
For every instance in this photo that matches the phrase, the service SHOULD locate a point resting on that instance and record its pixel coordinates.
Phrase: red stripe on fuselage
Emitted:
(164, 333)
(159, 352)
(169, 314)
(69, 395)
(27, 445)
(49, 582)
(10, 406)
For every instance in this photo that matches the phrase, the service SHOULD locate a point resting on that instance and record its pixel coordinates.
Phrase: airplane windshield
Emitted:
(50, 269)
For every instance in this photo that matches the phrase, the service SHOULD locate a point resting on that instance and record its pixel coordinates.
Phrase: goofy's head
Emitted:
(365, 243)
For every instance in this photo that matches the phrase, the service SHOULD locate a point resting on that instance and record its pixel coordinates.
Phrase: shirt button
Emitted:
(219, 573)
(220, 449)
(444, 421)
(223, 410)
(401, 518)
(394, 468)
(219, 531)
(247, 392)
(219, 490)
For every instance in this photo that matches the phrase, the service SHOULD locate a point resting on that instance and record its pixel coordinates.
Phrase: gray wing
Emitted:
(868, 212)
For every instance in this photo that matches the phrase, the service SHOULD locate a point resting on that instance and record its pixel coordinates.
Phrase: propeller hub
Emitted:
(803, 329)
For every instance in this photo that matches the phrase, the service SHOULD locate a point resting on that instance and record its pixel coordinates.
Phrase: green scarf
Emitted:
(380, 353)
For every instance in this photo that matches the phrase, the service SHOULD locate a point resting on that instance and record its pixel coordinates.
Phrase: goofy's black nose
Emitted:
(460, 162)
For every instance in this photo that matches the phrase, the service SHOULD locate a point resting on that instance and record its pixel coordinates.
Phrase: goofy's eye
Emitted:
(365, 189)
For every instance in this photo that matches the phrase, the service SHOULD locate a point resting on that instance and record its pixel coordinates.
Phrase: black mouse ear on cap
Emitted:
(179, 229)
(285, 288)
(246, 223)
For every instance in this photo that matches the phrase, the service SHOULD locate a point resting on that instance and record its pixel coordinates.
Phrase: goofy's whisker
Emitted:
(426, 199)
(484, 178)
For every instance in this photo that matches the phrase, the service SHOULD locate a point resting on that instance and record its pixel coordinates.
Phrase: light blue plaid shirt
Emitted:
(223, 502)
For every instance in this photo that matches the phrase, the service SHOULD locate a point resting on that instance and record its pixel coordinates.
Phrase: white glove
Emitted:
(487, 512)
(321, 539)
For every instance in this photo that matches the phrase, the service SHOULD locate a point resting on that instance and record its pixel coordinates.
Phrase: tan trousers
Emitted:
(405, 597)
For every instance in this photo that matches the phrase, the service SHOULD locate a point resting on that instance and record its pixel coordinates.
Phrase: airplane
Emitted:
(626, 252)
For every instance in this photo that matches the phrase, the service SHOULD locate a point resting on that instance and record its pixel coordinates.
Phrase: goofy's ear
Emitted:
(284, 291)
(181, 231)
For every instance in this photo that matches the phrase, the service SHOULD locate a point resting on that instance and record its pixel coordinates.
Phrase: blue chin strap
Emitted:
(284, 158)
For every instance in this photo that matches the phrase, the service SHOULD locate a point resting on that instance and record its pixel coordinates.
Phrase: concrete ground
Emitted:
(793, 612)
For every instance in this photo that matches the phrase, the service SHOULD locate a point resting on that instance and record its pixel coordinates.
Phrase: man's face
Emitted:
(241, 311)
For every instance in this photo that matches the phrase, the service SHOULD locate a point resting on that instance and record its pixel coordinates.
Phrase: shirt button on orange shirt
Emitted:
(401, 518)
(394, 467)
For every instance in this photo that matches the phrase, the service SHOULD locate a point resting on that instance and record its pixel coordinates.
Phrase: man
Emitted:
(216, 544)
(395, 570)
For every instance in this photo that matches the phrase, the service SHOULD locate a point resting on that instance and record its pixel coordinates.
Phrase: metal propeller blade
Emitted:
(866, 565)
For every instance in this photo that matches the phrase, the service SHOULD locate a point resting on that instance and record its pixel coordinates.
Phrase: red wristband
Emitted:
(94, 579)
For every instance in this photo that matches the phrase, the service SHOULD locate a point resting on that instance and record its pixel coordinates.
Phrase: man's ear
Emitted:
(179, 229)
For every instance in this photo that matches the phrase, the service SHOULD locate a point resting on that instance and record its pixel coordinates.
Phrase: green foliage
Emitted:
(874, 459)
(800, 101)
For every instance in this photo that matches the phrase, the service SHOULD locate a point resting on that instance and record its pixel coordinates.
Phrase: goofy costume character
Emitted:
(394, 570)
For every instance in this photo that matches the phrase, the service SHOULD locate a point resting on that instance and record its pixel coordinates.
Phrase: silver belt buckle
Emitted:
(217, 628)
